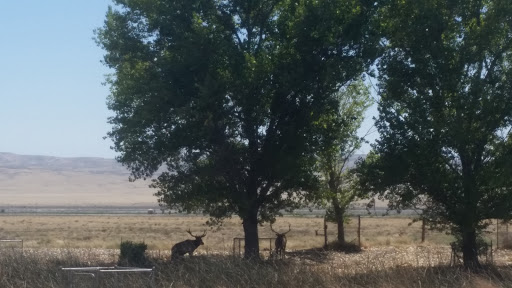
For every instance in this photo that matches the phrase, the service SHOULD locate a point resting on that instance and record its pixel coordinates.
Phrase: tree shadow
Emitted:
(436, 276)
(317, 255)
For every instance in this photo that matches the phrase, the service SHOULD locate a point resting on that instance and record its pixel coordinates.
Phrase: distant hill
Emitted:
(34, 180)
(45, 180)
(49, 163)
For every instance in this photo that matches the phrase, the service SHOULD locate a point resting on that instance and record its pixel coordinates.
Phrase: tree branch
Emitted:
(354, 147)
(263, 20)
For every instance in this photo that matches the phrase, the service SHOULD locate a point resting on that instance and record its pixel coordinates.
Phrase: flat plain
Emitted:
(161, 231)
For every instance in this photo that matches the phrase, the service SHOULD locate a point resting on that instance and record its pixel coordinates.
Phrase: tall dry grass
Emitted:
(41, 268)
(391, 257)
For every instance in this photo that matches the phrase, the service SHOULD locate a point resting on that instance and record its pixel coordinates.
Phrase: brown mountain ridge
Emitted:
(82, 181)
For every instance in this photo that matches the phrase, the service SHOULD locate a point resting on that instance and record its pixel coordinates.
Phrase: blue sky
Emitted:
(52, 101)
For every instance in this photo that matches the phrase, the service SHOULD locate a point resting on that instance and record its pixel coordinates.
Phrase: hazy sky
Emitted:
(52, 101)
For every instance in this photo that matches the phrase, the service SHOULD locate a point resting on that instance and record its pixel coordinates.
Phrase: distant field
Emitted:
(160, 232)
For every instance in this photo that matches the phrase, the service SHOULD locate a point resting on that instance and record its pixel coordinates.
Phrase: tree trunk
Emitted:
(470, 250)
(341, 231)
(470, 219)
(250, 224)
(339, 215)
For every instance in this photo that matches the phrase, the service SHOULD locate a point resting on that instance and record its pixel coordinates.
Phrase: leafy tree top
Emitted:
(446, 108)
(225, 94)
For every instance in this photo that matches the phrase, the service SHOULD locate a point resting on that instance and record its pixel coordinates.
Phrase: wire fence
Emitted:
(386, 231)
(307, 232)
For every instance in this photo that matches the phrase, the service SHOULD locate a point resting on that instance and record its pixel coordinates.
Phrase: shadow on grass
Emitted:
(41, 270)
(437, 276)
(321, 255)
(227, 271)
(318, 255)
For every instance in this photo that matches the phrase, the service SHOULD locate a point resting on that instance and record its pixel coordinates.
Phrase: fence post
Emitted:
(423, 230)
(497, 234)
(492, 256)
(506, 234)
(325, 231)
(359, 230)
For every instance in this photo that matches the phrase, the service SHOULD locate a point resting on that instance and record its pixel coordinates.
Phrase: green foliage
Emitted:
(446, 113)
(225, 95)
(133, 254)
(338, 144)
(330, 216)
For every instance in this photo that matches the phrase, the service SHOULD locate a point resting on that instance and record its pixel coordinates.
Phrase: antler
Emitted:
(189, 232)
(289, 229)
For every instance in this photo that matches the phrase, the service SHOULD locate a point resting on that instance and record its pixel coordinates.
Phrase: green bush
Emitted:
(133, 254)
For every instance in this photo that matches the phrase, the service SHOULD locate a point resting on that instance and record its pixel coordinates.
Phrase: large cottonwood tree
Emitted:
(224, 94)
(339, 142)
(446, 113)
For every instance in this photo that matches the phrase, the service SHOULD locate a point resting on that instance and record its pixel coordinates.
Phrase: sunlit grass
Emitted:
(160, 232)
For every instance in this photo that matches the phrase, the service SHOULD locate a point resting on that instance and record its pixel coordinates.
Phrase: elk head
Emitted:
(281, 234)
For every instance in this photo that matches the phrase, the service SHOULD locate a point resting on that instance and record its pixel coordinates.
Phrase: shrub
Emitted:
(133, 254)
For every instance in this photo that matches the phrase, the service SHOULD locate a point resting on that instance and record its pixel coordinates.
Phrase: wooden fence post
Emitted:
(506, 234)
(325, 231)
(492, 256)
(423, 230)
(359, 230)
(497, 234)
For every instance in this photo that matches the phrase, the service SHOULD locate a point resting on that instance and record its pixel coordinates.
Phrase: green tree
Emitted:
(445, 114)
(224, 95)
(337, 148)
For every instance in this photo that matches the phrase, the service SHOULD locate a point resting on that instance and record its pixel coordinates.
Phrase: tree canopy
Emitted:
(445, 113)
(337, 147)
(225, 95)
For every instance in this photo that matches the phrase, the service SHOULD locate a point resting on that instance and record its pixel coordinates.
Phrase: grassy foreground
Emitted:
(42, 269)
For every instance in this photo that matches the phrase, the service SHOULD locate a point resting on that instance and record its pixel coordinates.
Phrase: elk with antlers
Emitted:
(281, 241)
(188, 246)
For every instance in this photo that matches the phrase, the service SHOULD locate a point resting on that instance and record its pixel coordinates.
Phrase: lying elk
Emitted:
(188, 246)
(281, 241)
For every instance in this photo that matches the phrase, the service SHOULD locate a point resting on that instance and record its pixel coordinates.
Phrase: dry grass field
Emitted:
(383, 268)
(392, 255)
(160, 232)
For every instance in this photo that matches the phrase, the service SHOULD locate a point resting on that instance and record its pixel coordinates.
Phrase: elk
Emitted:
(188, 246)
(281, 241)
